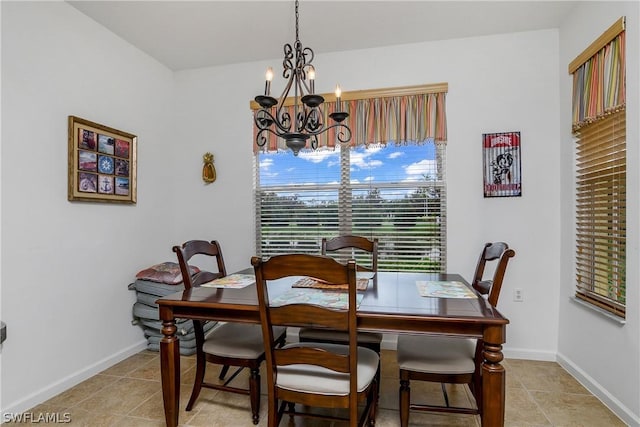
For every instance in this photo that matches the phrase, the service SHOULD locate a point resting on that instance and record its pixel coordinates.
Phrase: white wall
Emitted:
(603, 354)
(57, 62)
(212, 109)
(66, 266)
(498, 83)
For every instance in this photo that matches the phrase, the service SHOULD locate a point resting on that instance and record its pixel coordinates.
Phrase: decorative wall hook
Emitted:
(208, 170)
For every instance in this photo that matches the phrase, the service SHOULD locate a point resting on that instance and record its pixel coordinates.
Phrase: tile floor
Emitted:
(129, 394)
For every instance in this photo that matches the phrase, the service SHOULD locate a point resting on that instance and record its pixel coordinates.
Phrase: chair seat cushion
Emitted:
(319, 380)
(435, 354)
(165, 272)
(320, 335)
(238, 340)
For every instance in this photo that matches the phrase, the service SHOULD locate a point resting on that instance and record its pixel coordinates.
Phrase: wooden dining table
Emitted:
(392, 303)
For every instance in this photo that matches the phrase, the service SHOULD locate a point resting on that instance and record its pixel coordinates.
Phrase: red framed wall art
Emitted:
(502, 167)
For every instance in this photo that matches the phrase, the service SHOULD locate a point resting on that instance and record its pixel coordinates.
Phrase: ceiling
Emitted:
(194, 34)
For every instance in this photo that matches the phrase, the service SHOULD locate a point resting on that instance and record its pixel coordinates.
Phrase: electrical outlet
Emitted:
(517, 295)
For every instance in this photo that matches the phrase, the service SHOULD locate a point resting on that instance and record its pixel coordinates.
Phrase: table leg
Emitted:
(170, 369)
(493, 386)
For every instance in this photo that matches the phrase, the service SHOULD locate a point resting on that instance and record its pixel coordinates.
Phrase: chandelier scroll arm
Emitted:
(264, 120)
(312, 121)
(314, 142)
(343, 132)
(287, 63)
(261, 139)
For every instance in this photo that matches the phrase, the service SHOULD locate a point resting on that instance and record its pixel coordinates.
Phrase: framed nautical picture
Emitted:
(102, 163)
(501, 161)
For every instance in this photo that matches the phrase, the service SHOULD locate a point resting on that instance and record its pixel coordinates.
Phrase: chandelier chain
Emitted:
(297, 17)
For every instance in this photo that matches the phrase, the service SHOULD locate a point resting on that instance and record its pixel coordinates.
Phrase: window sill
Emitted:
(598, 310)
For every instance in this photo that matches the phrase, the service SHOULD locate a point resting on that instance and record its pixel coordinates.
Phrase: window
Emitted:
(394, 192)
(599, 127)
(388, 184)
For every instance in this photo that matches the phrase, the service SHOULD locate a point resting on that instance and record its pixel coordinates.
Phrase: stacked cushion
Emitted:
(150, 285)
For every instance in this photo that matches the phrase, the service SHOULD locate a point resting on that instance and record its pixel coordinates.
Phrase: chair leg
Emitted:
(223, 372)
(233, 376)
(274, 414)
(476, 391)
(444, 393)
(282, 341)
(405, 396)
(378, 381)
(291, 408)
(374, 404)
(197, 383)
(254, 393)
(377, 349)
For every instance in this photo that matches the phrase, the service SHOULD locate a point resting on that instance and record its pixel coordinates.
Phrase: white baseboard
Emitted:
(58, 387)
(600, 392)
(529, 354)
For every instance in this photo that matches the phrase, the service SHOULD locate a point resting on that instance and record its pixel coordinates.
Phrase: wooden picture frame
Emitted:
(102, 163)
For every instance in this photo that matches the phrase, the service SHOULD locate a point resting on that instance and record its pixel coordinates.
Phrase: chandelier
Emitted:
(307, 121)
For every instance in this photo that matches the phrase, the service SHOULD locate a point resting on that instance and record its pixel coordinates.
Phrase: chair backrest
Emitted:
(499, 253)
(199, 247)
(353, 242)
(308, 315)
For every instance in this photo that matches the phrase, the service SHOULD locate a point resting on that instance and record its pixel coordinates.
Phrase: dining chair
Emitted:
(367, 246)
(449, 360)
(227, 344)
(309, 374)
(347, 247)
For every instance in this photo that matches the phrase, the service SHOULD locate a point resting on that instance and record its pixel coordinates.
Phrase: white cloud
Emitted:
(416, 170)
(266, 163)
(396, 154)
(265, 168)
(360, 159)
(318, 156)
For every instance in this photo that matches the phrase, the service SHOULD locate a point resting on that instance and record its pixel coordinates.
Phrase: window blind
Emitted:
(395, 193)
(601, 213)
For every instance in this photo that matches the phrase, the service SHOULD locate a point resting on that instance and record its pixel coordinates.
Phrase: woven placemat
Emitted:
(309, 282)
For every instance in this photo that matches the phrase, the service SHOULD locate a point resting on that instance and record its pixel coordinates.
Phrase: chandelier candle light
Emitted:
(273, 116)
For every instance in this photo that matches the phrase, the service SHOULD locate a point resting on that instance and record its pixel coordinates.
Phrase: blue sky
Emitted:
(375, 164)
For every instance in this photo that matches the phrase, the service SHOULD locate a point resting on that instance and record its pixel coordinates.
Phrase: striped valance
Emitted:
(401, 115)
(599, 82)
